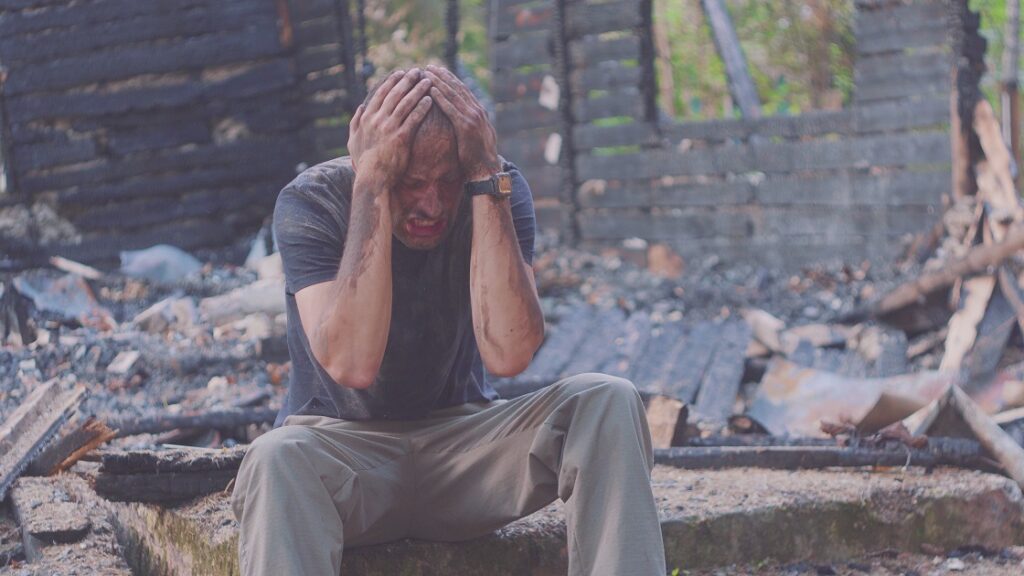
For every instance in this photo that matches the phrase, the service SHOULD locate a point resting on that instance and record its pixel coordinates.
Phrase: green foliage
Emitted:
(799, 52)
(408, 33)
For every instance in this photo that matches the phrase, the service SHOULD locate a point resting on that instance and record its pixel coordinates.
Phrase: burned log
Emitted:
(166, 475)
(219, 419)
(812, 457)
(977, 259)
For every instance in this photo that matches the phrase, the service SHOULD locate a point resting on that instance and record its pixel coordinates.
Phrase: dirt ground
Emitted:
(1006, 562)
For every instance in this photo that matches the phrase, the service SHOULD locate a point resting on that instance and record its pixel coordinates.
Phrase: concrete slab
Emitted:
(709, 519)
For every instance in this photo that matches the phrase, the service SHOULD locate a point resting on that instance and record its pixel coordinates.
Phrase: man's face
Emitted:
(426, 202)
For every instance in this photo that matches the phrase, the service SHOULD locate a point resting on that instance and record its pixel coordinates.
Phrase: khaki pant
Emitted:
(316, 485)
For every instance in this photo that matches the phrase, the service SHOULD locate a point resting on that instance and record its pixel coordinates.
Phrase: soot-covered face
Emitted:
(426, 201)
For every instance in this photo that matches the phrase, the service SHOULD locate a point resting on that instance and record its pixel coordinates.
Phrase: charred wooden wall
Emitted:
(167, 120)
(780, 190)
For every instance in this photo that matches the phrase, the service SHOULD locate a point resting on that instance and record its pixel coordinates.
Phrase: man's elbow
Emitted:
(508, 365)
(347, 375)
(507, 368)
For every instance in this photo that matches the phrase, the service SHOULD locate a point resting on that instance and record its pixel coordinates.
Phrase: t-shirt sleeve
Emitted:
(309, 238)
(523, 217)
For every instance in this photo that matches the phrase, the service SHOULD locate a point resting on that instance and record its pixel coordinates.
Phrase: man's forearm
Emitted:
(353, 330)
(507, 318)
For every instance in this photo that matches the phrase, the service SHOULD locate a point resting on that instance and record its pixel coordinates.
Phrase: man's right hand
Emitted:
(380, 133)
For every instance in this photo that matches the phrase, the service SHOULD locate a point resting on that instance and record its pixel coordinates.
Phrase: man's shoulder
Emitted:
(325, 186)
(335, 175)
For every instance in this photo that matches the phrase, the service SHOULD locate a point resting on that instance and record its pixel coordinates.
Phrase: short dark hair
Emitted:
(435, 119)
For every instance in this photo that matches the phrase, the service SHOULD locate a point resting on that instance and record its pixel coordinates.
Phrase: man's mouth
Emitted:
(423, 227)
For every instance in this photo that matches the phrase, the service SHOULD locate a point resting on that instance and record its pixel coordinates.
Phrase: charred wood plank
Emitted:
(70, 448)
(721, 381)
(813, 457)
(560, 347)
(977, 259)
(688, 364)
(31, 426)
(599, 345)
(168, 487)
(166, 475)
(107, 65)
(182, 459)
(154, 423)
(584, 19)
(203, 19)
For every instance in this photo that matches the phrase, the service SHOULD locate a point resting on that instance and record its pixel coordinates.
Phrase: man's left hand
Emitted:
(477, 140)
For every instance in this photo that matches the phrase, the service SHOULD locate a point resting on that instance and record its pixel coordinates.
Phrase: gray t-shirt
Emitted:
(431, 360)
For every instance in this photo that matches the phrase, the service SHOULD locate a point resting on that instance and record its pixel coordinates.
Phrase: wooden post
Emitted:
(451, 49)
(1011, 60)
(741, 85)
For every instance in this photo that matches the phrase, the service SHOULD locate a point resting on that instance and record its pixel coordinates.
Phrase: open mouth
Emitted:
(424, 228)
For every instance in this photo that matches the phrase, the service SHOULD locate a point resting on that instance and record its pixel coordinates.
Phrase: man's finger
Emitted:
(357, 118)
(382, 91)
(450, 110)
(400, 90)
(444, 84)
(419, 112)
(412, 98)
(457, 85)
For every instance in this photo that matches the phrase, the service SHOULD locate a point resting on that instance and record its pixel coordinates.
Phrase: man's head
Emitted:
(426, 201)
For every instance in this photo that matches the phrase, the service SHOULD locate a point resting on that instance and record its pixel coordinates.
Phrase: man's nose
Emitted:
(430, 204)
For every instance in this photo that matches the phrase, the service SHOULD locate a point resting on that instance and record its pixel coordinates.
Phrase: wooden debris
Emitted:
(741, 85)
(993, 335)
(811, 457)
(793, 399)
(166, 475)
(1008, 453)
(963, 326)
(926, 343)
(71, 447)
(1010, 288)
(262, 296)
(124, 363)
(31, 426)
(721, 381)
(1004, 196)
(63, 264)
(977, 259)
(666, 418)
(163, 422)
(765, 328)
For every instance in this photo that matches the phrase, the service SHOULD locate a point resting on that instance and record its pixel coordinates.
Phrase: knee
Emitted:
(613, 389)
(281, 449)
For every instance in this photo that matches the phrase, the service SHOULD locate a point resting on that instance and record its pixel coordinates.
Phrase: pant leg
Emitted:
(306, 490)
(583, 439)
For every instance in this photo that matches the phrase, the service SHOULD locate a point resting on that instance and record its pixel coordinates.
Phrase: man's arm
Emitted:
(507, 318)
(347, 320)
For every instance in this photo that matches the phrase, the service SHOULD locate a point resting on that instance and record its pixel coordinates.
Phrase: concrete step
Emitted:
(709, 519)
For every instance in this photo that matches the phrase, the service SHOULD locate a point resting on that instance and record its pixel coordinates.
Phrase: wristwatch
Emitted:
(498, 186)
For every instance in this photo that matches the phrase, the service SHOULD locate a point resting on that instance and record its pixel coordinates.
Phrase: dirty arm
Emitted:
(507, 319)
(347, 319)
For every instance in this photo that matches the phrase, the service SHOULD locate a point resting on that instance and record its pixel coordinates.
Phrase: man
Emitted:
(408, 272)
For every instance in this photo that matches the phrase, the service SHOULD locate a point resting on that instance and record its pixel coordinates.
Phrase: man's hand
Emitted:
(380, 133)
(477, 140)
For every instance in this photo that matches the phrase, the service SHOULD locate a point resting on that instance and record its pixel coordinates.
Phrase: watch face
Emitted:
(505, 184)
